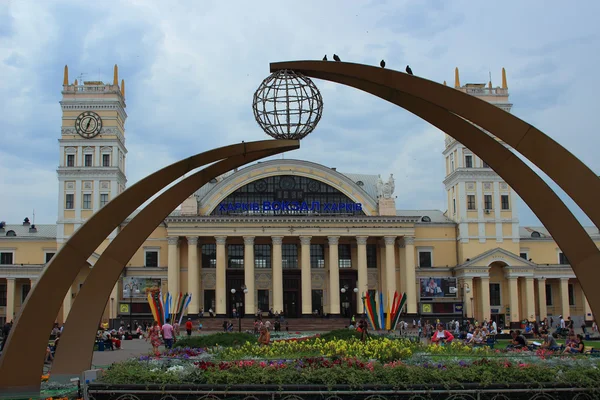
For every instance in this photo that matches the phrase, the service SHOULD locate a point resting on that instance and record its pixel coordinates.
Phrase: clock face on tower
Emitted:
(88, 124)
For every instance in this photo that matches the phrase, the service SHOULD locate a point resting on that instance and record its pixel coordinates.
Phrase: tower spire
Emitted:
(66, 76)
(123, 88)
(490, 82)
(504, 85)
(116, 76)
(456, 78)
(445, 83)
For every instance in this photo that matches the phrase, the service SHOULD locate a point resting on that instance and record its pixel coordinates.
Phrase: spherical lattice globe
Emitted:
(287, 105)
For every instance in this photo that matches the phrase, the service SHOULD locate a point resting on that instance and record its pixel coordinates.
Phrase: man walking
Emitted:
(188, 327)
(167, 332)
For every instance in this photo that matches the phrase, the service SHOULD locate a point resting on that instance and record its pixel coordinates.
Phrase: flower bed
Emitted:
(351, 372)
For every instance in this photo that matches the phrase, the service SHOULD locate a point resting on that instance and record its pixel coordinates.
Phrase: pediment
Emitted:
(498, 255)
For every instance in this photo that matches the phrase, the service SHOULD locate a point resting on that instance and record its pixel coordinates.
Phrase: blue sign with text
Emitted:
(313, 207)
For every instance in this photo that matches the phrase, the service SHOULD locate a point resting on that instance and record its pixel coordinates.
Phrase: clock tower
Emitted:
(92, 152)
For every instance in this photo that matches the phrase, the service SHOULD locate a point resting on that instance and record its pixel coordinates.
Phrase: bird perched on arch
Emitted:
(382, 64)
(325, 58)
(336, 58)
(408, 70)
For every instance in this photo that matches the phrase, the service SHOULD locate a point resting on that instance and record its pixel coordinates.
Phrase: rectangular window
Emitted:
(470, 202)
(70, 160)
(451, 162)
(345, 256)
(504, 201)
(235, 256)
(454, 206)
(151, 258)
(25, 288)
(289, 256)
(106, 160)
(103, 199)
(371, 256)
(425, 258)
(317, 256)
(571, 295)
(87, 201)
(209, 256)
(262, 259)
(69, 200)
(2, 295)
(523, 256)
(6, 258)
(562, 259)
(87, 160)
(548, 294)
(48, 257)
(495, 299)
(487, 201)
(469, 161)
(263, 300)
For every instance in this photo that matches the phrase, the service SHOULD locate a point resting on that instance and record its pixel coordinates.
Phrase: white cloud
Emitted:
(191, 69)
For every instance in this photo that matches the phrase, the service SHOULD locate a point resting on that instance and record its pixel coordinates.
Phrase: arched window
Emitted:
(535, 234)
(287, 195)
(11, 233)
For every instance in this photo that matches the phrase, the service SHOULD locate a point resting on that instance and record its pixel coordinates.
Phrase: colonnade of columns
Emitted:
(388, 284)
(521, 303)
(11, 293)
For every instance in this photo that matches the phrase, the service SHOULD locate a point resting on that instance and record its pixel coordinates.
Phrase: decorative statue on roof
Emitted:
(386, 189)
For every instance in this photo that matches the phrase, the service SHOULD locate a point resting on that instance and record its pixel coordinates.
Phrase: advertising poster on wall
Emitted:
(438, 288)
(138, 288)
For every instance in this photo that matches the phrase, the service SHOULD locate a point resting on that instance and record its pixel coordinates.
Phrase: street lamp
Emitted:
(244, 290)
(344, 290)
(131, 286)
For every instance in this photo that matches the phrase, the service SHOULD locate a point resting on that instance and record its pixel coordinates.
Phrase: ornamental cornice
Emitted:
(16, 271)
(67, 130)
(95, 105)
(91, 172)
(471, 174)
(293, 219)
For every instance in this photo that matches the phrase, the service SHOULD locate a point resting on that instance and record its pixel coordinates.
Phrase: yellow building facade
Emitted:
(298, 237)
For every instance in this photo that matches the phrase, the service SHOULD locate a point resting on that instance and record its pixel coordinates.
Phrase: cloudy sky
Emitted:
(191, 68)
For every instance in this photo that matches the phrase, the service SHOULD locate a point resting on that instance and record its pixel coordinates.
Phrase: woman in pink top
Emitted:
(441, 335)
(168, 331)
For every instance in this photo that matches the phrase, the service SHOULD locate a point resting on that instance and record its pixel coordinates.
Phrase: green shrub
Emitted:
(221, 339)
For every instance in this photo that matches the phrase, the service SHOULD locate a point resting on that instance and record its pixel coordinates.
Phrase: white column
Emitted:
(587, 310)
(529, 299)
(220, 285)
(306, 275)
(363, 282)
(564, 298)
(497, 212)
(193, 275)
(411, 275)
(249, 300)
(334, 276)
(513, 299)
(10, 299)
(66, 303)
(173, 266)
(467, 291)
(542, 298)
(277, 274)
(32, 283)
(484, 299)
(480, 207)
(390, 267)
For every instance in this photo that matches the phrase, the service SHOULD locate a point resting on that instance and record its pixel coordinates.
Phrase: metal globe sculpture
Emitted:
(287, 105)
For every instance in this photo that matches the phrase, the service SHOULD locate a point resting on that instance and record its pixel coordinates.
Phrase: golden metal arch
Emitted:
(389, 85)
(23, 355)
(572, 175)
(74, 355)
